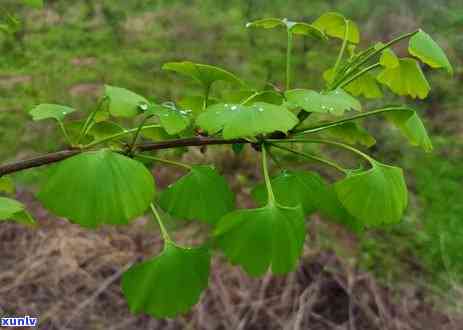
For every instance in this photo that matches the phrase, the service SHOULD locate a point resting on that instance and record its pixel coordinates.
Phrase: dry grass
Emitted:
(69, 278)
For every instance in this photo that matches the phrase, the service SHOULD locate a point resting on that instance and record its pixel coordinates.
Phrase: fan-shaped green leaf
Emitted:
(237, 120)
(376, 196)
(169, 284)
(11, 209)
(7, 185)
(331, 208)
(334, 25)
(334, 102)
(256, 239)
(202, 195)
(50, 111)
(124, 103)
(427, 50)
(104, 129)
(410, 124)
(366, 86)
(173, 119)
(203, 74)
(405, 79)
(293, 188)
(300, 28)
(351, 133)
(389, 59)
(250, 97)
(101, 187)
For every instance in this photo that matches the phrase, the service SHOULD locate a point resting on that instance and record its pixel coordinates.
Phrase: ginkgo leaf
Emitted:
(203, 74)
(389, 59)
(365, 85)
(376, 196)
(421, 45)
(405, 79)
(202, 195)
(239, 121)
(334, 25)
(173, 119)
(104, 129)
(300, 28)
(410, 124)
(98, 187)
(351, 133)
(293, 188)
(331, 209)
(50, 111)
(11, 209)
(124, 103)
(250, 96)
(334, 102)
(168, 284)
(256, 239)
(7, 185)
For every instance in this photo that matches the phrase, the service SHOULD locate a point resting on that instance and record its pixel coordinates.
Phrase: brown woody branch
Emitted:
(63, 154)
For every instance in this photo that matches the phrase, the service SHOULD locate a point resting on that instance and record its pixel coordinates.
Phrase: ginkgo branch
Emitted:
(63, 154)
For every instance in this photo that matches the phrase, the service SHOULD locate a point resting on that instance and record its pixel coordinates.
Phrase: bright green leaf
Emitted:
(11, 209)
(405, 79)
(203, 74)
(202, 195)
(250, 96)
(173, 119)
(50, 111)
(389, 59)
(239, 121)
(169, 284)
(351, 133)
(293, 188)
(334, 102)
(410, 124)
(376, 196)
(256, 239)
(104, 129)
(331, 209)
(365, 85)
(7, 185)
(124, 103)
(334, 25)
(427, 50)
(98, 187)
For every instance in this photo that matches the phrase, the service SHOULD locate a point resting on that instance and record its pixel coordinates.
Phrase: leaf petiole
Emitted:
(342, 121)
(353, 69)
(288, 60)
(313, 157)
(271, 196)
(65, 133)
(166, 161)
(343, 47)
(164, 233)
(118, 135)
(328, 142)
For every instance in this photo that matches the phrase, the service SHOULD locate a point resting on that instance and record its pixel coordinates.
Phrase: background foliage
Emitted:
(66, 54)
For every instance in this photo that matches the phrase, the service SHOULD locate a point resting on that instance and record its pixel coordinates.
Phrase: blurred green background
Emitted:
(66, 52)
